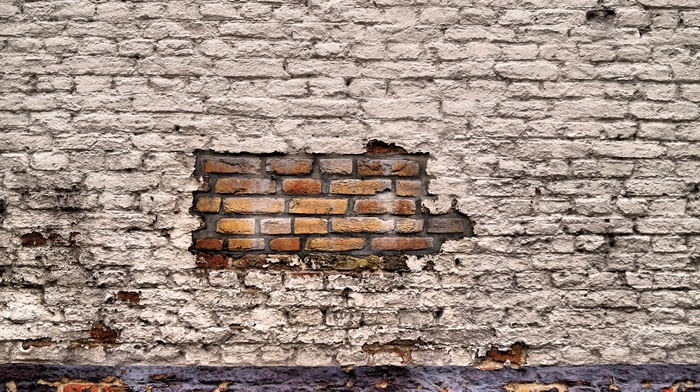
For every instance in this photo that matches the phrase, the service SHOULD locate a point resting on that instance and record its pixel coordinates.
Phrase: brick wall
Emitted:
(566, 131)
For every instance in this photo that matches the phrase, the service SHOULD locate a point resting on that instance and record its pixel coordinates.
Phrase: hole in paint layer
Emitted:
(600, 16)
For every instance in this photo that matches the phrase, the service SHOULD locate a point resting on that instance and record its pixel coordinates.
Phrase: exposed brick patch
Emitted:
(496, 358)
(129, 296)
(100, 335)
(352, 205)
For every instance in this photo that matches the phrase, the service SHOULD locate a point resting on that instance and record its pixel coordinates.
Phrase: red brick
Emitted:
(318, 206)
(387, 167)
(236, 226)
(409, 226)
(252, 205)
(113, 388)
(232, 165)
(209, 244)
(361, 225)
(336, 166)
(409, 188)
(238, 244)
(402, 243)
(374, 206)
(301, 186)
(245, 186)
(80, 388)
(290, 166)
(445, 225)
(284, 244)
(310, 226)
(205, 260)
(276, 226)
(359, 187)
(330, 244)
(208, 204)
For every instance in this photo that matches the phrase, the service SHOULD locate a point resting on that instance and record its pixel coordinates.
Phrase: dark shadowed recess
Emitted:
(366, 378)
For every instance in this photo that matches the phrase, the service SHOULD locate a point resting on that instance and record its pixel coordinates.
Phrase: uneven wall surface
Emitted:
(566, 131)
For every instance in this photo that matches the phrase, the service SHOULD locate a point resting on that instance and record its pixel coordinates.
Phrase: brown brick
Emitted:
(253, 205)
(209, 243)
(334, 244)
(285, 244)
(374, 206)
(276, 226)
(80, 388)
(290, 166)
(318, 206)
(236, 226)
(301, 186)
(232, 165)
(246, 244)
(208, 204)
(387, 167)
(409, 188)
(310, 226)
(409, 226)
(359, 187)
(336, 166)
(445, 225)
(205, 260)
(245, 186)
(402, 243)
(361, 225)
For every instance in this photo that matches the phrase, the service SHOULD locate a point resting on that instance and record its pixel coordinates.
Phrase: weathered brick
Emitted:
(235, 226)
(206, 260)
(409, 226)
(409, 188)
(318, 206)
(276, 226)
(290, 166)
(334, 244)
(361, 225)
(374, 206)
(336, 166)
(253, 205)
(445, 225)
(80, 388)
(245, 186)
(284, 244)
(402, 168)
(208, 204)
(232, 165)
(301, 186)
(359, 187)
(238, 244)
(209, 243)
(402, 243)
(310, 226)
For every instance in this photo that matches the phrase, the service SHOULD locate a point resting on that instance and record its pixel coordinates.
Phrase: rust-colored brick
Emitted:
(330, 244)
(290, 166)
(374, 206)
(318, 206)
(80, 388)
(249, 205)
(359, 187)
(236, 226)
(409, 188)
(283, 244)
(310, 226)
(208, 204)
(297, 186)
(209, 244)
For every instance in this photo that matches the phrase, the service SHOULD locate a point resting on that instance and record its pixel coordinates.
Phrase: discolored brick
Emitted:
(238, 244)
(310, 226)
(208, 204)
(336, 166)
(245, 186)
(276, 226)
(361, 225)
(359, 187)
(409, 226)
(290, 166)
(402, 243)
(206, 260)
(387, 167)
(318, 206)
(445, 225)
(232, 165)
(334, 244)
(80, 388)
(209, 244)
(253, 205)
(284, 244)
(235, 226)
(409, 188)
(375, 206)
(301, 186)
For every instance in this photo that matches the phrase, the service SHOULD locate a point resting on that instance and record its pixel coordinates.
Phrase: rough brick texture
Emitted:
(568, 132)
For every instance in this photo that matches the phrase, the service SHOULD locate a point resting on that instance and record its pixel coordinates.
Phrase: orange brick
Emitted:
(232, 165)
(236, 226)
(290, 166)
(208, 204)
(409, 188)
(374, 206)
(359, 187)
(285, 244)
(334, 244)
(402, 167)
(246, 244)
(276, 226)
(113, 388)
(301, 186)
(318, 206)
(336, 166)
(402, 243)
(253, 205)
(80, 388)
(409, 226)
(310, 226)
(209, 244)
(361, 225)
(245, 186)
(445, 225)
